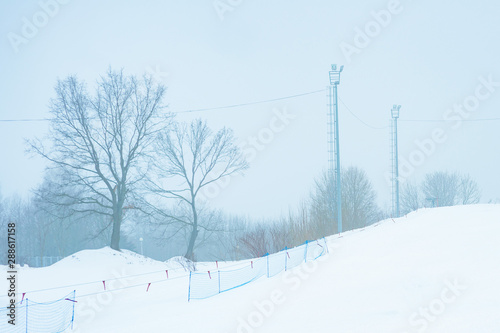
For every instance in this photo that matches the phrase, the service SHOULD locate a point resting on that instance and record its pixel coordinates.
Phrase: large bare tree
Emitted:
(102, 141)
(192, 157)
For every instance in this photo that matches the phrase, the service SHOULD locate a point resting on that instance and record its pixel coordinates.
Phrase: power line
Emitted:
(195, 110)
(414, 120)
(274, 100)
(445, 120)
(23, 120)
(361, 120)
(253, 103)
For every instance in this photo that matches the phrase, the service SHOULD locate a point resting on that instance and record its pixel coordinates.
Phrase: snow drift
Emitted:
(435, 270)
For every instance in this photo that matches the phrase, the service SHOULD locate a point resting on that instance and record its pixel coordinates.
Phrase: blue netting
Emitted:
(238, 277)
(202, 285)
(295, 257)
(50, 317)
(315, 249)
(276, 263)
(57, 316)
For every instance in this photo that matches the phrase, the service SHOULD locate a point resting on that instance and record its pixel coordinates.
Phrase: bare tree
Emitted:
(358, 199)
(410, 198)
(69, 231)
(359, 208)
(256, 242)
(101, 142)
(223, 244)
(192, 157)
(1, 205)
(442, 187)
(469, 192)
(323, 205)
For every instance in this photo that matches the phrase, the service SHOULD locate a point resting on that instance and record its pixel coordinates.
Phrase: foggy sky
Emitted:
(432, 58)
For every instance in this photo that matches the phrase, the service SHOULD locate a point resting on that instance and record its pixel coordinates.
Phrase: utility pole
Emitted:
(333, 138)
(395, 162)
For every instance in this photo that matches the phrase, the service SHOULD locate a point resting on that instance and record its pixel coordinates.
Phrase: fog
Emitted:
(428, 57)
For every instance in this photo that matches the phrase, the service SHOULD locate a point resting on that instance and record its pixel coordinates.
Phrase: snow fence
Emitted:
(50, 317)
(58, 316)
(210, 283)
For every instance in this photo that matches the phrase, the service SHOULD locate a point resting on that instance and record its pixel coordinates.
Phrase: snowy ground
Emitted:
(436, 270)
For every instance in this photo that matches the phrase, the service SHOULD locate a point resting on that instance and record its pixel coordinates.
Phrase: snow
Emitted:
(435, 270)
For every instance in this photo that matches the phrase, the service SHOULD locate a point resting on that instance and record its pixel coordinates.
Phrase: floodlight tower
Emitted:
(395, 162)
(333, 138)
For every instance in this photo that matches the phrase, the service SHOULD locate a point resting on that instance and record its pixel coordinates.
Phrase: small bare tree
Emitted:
(469, 192)
(191, 158)
(323, 205)
(101, 142)
(410, 198)
(256, 242)
(359, 208)
(442, 186)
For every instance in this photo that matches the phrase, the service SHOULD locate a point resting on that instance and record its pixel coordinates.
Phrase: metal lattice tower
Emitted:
(331, 134)
(395, 161)
(333, 138)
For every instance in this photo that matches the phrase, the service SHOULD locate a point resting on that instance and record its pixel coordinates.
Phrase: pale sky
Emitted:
(427, 56)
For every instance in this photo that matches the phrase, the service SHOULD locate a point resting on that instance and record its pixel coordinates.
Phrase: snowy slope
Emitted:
(435, 270)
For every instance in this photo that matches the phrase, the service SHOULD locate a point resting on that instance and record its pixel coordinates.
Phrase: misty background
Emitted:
(428, 57)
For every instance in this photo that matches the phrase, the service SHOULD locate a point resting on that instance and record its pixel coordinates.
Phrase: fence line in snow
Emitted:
(47, 317)
(210, 283)
(58, 315)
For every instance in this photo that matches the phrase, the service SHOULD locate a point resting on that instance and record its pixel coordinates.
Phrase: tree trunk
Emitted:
(115, 235)
(194, 233)
(190, 250)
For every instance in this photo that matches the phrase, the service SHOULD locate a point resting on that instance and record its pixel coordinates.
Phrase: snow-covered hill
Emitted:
(435, 270)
